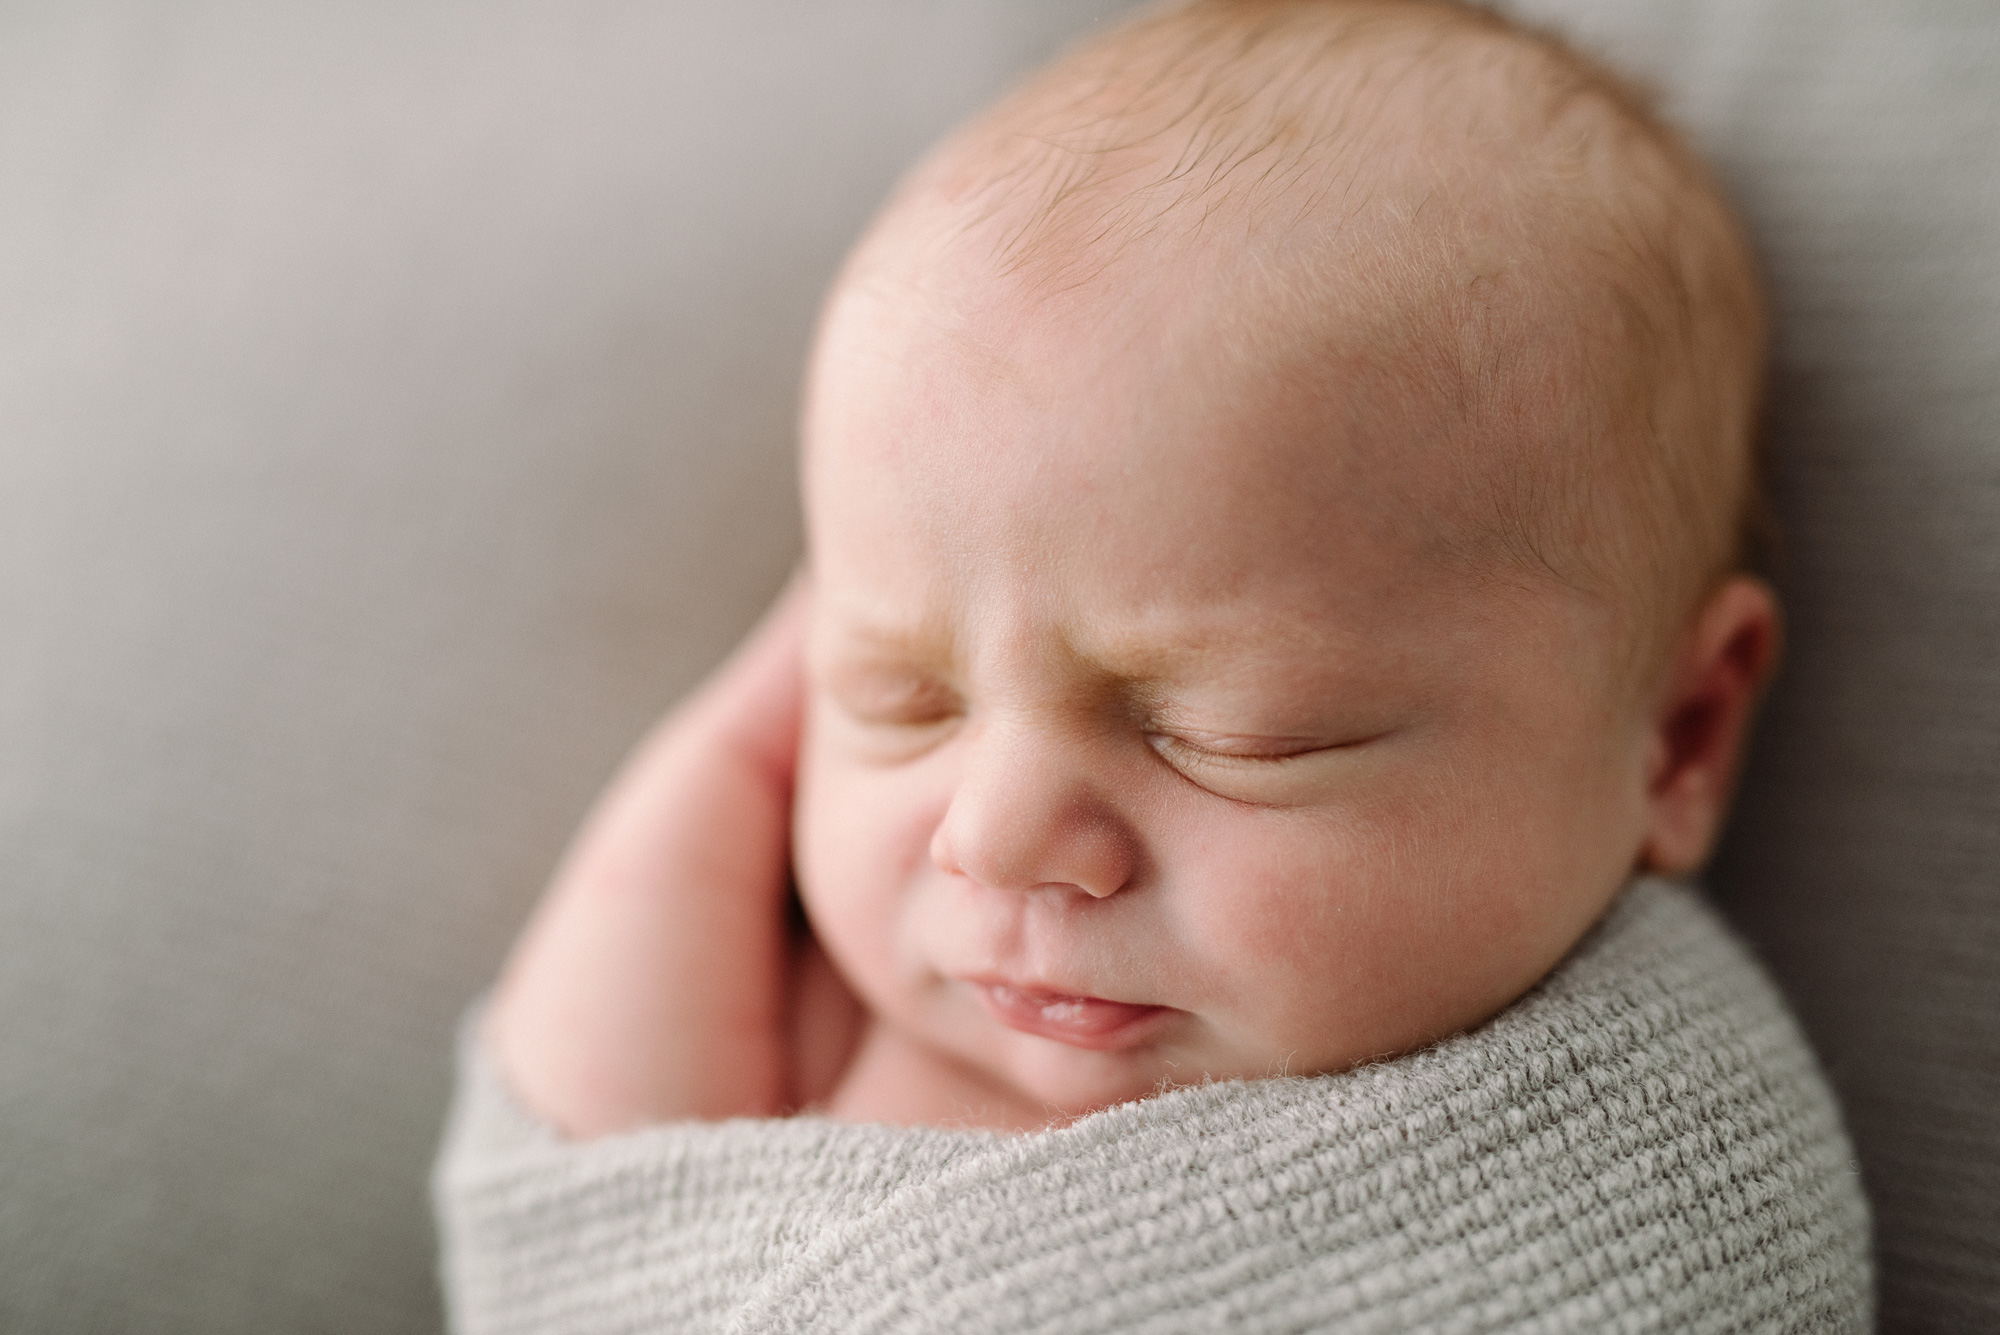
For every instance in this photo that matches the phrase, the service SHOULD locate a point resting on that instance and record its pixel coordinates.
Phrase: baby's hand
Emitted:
(658, 979)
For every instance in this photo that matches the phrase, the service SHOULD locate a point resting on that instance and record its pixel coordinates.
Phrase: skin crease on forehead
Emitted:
(1157, 655)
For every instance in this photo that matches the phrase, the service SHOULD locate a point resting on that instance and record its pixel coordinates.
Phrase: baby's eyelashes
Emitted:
(1261, 770)
(916, 712)
(1230, 746)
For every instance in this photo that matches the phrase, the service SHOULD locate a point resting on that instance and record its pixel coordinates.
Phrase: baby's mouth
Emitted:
(1081, 1022)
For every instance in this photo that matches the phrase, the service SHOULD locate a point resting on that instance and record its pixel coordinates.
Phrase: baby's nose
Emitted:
(1026, 816)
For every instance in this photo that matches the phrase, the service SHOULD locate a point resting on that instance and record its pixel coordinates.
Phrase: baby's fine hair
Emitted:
(1574, 251)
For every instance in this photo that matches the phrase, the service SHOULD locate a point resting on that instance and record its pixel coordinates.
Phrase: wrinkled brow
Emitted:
(857, 637)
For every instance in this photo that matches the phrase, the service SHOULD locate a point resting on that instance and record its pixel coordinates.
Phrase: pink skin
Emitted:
(1129, 680)
(1155, 730)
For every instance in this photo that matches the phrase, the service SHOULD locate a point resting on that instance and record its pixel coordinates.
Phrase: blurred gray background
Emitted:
(396, 413)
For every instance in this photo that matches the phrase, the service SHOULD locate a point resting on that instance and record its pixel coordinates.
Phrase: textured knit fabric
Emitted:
(1642, 1143)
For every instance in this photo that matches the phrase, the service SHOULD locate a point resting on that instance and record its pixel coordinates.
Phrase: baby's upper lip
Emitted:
(1043, 991)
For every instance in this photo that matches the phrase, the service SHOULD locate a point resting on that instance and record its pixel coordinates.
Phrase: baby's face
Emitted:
(1164, 721)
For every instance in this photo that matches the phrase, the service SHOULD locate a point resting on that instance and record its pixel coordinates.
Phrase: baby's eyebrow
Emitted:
(1141, 663)
(888, 643)
(1135, 656)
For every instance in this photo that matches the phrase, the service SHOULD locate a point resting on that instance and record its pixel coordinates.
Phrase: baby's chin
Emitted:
(1148, 1056)
(1073, 1082)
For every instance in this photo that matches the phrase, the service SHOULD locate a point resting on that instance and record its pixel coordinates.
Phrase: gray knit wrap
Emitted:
(1642, 1143)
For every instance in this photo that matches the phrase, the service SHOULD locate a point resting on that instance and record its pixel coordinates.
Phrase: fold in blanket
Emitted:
(1644, 1142)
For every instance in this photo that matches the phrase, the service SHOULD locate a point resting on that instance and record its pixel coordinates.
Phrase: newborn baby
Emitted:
(1277, 492)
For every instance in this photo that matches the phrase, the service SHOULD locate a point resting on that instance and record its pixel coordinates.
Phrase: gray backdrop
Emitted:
(395, 414)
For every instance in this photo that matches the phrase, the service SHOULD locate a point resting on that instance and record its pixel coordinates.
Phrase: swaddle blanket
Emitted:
(1642, 1143)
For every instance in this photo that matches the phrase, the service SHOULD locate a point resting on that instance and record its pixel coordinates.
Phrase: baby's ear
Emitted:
(1702, 719)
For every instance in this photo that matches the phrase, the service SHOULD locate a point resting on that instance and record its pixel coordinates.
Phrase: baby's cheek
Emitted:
(1314, 937)
(862, 845)
(1272, 919)
(1285, 920)
(829, 849)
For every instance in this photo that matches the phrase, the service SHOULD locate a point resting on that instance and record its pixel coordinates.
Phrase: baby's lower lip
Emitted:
(1081, 1022)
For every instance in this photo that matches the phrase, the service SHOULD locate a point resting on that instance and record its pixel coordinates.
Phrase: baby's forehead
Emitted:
(1238, 363)
(1200, 389)
(1142, 439)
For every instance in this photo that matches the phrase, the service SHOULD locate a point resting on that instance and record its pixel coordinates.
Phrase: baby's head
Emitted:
(1275, 487)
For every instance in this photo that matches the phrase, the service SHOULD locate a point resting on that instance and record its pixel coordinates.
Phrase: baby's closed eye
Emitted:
(1266, 769)
(1237, 746)
(899, 701)
(892, 716)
